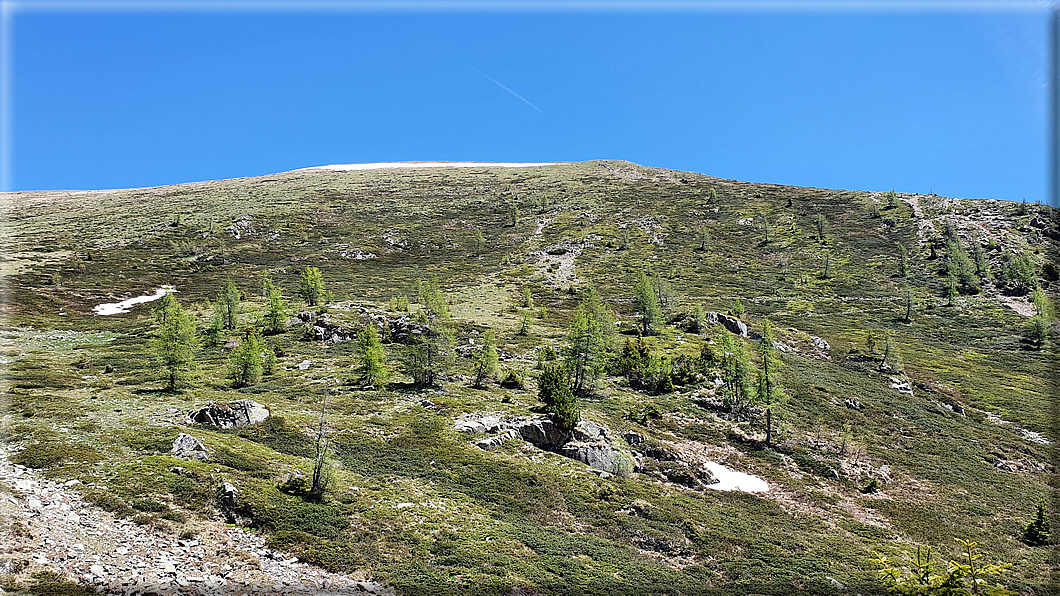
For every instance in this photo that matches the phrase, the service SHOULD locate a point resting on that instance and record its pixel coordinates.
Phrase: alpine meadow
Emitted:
(526, 379)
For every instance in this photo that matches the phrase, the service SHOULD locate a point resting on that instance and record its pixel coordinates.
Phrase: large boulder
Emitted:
(731, 323)
(590, 443)
(543, 433)
(601, 456)
(188, 446)
(242, 412)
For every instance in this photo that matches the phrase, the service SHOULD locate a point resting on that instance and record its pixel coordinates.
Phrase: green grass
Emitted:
(420, 507)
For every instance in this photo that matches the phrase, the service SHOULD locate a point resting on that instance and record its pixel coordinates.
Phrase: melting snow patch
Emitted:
(729, 480)
(124, 306)
(422, 164)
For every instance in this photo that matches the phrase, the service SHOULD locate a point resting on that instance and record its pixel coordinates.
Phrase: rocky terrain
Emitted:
(48, 527)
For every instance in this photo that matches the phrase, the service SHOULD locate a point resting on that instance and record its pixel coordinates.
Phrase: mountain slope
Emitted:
(422, 508)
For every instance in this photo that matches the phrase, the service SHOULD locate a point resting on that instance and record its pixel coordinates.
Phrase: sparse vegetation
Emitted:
(513, 517)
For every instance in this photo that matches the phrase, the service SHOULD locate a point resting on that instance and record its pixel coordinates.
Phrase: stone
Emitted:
(303, 365)
(599, 455)
(236, 414)
(633, 438)
(469, 426)
(228, 494)
(543, 433)
(902, 385)
(496, 441)
(731, 323)
(188, 446)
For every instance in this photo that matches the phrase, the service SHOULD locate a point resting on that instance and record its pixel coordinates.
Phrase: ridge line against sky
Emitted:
(9, 9)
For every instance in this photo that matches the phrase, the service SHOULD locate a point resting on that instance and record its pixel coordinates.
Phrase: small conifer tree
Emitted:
(486, 363)
(175, 342)
(565, 409)
(769, 394)
(275, 318)
(245, 367)
(311, 287)
(1038, 531)
(903, 254)
(550, 383)
(646, 303)
(228, 305)
(371, 356)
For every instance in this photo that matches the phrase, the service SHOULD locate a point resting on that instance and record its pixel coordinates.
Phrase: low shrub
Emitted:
(47, 455)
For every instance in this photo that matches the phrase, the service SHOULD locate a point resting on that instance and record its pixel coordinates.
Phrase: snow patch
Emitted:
(124, 306)
(393, 165)
(730, 480)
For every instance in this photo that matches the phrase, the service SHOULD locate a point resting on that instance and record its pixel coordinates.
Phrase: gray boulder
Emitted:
(227, 494)
(242, 412)
(731, 323)
(496, 441)
(590, 443)
(188, 446)
(599, 455)
(543, 433)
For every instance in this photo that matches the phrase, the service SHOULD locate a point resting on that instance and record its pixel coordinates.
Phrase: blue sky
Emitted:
(947, 101)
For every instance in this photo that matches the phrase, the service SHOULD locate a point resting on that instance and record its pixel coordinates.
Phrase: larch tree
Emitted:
(646, 303)
(737, 373)
(228, 304)
(588, 342)
(311, 287)
(371, 357)
(486, 361)
(275, 318)
(769, 394)
(246, 366)
(175, 342)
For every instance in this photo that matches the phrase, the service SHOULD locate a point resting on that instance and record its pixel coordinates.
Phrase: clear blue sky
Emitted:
(949, 102)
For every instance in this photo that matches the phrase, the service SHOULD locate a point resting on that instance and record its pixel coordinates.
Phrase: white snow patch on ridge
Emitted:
(124, 306)
(730, 480)
(388, 165)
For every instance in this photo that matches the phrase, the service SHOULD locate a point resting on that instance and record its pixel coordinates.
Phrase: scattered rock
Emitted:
(543, 433)
(902, 385)
(1004, 465)
(678, 472)
(303, 365)
(853, 404)
(91, 547)
(188, 446)
(239, 413)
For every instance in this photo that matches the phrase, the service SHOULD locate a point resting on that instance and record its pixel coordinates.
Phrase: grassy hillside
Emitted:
(419, 506)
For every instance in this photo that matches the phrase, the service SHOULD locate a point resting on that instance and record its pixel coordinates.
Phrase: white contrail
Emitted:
(499, 84)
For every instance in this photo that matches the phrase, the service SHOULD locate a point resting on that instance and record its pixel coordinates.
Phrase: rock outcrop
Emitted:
(242, 412)
(731, 323)
(590, 443)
